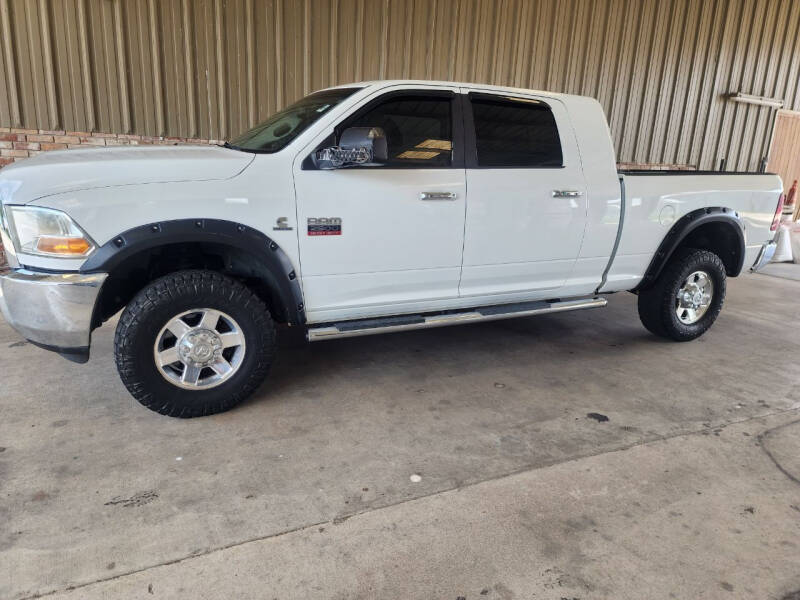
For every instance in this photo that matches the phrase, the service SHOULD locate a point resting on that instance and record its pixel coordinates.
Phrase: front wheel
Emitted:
(194, 343)
(686, 298)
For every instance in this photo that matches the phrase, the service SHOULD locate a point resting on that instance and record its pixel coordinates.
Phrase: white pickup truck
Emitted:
(367, 208)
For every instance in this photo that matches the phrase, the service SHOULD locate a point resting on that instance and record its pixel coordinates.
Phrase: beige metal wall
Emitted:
(211, 68)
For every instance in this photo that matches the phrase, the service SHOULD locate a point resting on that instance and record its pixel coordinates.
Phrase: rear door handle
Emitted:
(567, 193)
(438, 196)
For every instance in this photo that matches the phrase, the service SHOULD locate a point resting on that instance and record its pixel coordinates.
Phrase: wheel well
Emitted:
(716, 229)
(136, 271)
(720, 238)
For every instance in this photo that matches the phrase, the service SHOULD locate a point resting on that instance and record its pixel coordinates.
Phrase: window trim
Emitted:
(470, 136)
(457, 128)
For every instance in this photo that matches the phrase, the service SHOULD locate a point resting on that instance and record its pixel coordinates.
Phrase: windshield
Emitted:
(281, 128)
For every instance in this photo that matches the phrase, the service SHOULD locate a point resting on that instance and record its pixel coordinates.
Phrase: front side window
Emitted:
(515, 133)
(280, 129)
(418, 129)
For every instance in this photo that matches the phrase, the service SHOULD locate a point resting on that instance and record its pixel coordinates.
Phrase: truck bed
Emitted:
(635, 172)
(652, 201)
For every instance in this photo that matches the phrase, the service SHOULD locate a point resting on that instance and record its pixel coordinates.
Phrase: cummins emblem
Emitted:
(282, 224)
(324, 226)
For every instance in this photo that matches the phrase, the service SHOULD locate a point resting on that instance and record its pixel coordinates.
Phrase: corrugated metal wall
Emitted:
(211, 68)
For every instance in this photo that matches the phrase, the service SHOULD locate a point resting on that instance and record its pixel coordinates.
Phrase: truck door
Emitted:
(387, 239)
(526, 211)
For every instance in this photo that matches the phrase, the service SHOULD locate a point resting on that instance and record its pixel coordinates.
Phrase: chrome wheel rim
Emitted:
(199, 349)
(694, 297)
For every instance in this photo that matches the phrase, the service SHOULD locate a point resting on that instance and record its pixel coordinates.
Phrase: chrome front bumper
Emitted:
(764, 256)
(52, 310)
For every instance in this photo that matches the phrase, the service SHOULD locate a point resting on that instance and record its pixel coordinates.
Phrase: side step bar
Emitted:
(408, 322)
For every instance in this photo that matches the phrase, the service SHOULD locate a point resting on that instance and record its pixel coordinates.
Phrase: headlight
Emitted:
(46, 232)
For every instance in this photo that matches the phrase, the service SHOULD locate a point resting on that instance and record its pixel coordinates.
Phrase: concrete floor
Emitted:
(690, 489)
(787, 270)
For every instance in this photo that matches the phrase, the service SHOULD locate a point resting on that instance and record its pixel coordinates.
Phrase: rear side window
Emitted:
(515, 133)
(418, 129)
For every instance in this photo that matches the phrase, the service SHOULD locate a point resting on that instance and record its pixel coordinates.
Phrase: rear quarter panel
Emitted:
(654, 202)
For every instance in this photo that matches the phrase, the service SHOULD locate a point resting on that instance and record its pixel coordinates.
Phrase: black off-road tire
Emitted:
(162, 300)
(657, 302)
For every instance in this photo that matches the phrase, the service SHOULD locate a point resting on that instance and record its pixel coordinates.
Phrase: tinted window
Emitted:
(418, 129)
(515, 133)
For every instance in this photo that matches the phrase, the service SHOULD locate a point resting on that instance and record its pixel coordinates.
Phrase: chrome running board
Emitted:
(345, 329)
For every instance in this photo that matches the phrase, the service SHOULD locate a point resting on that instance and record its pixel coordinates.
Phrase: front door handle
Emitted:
(567, 193)
(438, 196)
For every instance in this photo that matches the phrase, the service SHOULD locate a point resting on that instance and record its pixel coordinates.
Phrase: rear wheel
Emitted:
(687, 297)
(194, 343)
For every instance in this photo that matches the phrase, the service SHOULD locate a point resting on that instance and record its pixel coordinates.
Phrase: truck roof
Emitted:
(484, 86)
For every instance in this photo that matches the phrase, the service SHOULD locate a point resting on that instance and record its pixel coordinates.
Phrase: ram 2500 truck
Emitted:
(367, 208)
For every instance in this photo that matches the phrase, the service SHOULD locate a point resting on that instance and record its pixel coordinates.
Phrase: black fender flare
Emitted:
(684, 226)
(282, 276)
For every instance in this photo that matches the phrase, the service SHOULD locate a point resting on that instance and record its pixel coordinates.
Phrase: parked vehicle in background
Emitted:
(367, 208)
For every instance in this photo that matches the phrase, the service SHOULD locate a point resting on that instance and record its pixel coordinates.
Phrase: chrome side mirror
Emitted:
(357, 146)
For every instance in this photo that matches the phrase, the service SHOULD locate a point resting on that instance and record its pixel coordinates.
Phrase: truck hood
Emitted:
(82, 169)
